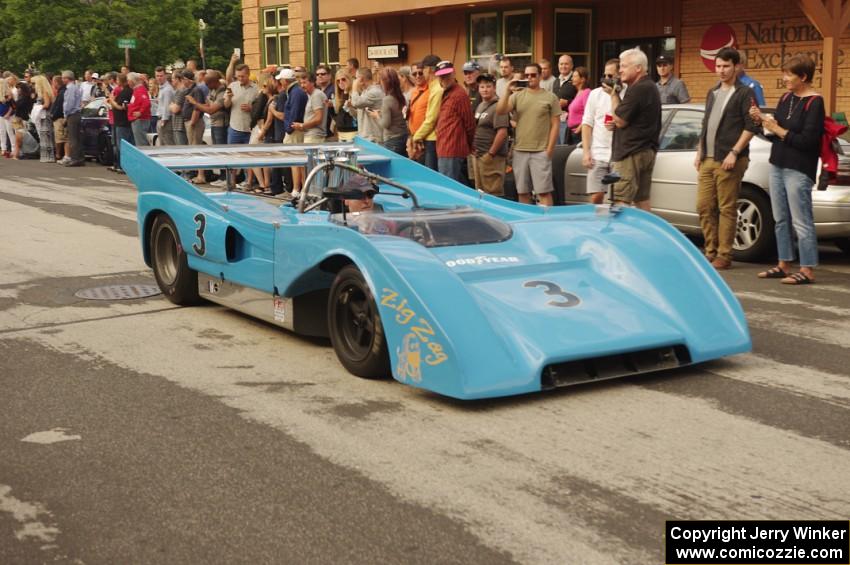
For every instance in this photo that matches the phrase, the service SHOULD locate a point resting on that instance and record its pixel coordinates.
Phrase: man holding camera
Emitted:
(537, 128)
(637, 125)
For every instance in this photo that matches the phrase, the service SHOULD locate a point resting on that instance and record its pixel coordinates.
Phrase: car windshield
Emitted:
(95, 109)
(430, 227)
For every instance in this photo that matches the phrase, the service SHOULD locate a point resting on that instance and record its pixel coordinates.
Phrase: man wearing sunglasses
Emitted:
(538, 124)
(326, 85)
(597, 133)
(416, 110)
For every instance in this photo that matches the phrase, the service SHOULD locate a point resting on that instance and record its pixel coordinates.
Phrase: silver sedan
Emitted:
(674, 188)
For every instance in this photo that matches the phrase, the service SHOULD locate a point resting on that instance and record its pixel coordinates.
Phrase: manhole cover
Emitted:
(119, 292)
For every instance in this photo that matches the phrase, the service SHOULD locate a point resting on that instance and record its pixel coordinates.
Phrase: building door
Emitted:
(652, 46)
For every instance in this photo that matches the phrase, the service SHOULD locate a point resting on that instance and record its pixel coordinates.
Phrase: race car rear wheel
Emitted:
(176, 280)
(355, 328)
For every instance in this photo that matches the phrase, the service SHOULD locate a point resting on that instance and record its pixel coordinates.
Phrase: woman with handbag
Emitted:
(42, 117)
(344, 123)
(795, 131)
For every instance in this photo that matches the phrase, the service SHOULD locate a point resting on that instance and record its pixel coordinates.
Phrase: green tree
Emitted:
(79, 34)
(224, 30)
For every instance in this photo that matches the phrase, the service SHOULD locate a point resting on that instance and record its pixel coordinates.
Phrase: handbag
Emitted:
(36, 114)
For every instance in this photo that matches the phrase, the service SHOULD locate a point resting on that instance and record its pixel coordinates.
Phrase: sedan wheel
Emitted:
(754, 236)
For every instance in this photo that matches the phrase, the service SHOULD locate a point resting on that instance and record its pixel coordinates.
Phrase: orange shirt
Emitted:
(418, 108)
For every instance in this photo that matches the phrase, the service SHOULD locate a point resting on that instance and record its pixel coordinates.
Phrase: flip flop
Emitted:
(773, 273)
(798, 278)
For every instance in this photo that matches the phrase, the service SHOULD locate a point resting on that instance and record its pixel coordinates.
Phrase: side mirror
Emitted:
(340, 194)
(611, 178)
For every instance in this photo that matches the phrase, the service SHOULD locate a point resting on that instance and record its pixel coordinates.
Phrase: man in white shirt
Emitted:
(88, 86)
(597, 132)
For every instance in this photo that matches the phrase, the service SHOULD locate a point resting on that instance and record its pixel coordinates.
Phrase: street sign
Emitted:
(127, 43)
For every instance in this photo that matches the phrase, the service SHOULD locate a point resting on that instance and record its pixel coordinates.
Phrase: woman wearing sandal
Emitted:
(795, 132)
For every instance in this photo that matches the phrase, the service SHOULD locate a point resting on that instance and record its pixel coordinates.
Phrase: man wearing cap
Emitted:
(280, 178)
(71, 108)
(87, 87)
(425, 137)
(471, 70)
(537, 129)
(359, 183)
(671, 89)
(489, 147)
(293, 112)
(455, 126)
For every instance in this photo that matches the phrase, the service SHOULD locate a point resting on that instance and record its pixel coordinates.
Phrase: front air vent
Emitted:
(613, 366)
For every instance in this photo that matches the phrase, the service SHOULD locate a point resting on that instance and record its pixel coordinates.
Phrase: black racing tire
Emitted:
(354, 324)
(843, 243)
(104, 151)
(755, 239)
(171, 269)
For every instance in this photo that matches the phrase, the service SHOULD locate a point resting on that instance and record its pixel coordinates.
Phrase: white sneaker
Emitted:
(218, 183)
(242, 186)
(296, 194)
(64, 159)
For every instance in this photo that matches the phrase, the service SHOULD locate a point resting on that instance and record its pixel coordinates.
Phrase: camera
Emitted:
(521, 83)
(614, 83)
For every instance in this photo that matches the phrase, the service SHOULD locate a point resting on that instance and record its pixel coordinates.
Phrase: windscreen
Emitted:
(431, 228)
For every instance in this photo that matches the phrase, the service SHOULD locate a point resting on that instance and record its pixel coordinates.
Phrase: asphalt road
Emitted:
(139, 432)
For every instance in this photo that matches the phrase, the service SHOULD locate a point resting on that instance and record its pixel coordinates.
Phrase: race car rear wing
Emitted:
(194, 157)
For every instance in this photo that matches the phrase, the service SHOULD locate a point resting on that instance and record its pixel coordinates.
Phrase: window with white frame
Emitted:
(510, 33)
(275, 35)
(328, 43)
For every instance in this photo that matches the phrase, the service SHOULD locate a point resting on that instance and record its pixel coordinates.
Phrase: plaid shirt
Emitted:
(177, 121)
(455, 125)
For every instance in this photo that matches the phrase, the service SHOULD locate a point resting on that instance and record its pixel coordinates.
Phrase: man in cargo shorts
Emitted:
(637, 125)
(538, 124)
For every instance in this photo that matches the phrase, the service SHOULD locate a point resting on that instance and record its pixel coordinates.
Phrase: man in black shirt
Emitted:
(637, 125)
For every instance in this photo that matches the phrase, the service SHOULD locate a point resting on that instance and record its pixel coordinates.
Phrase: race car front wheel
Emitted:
(355, 326)
(176, 280)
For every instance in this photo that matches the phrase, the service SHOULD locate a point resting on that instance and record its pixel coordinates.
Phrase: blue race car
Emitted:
(444, 287)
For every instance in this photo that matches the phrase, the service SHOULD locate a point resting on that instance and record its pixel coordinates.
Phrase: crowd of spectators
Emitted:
(473, 131)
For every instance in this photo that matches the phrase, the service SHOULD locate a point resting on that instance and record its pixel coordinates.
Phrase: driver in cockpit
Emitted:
(360, 208)
(359, 183)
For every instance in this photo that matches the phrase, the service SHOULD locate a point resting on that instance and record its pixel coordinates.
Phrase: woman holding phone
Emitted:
(795, 132)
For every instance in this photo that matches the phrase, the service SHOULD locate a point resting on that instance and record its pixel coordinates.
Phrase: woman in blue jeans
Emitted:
(795, 132)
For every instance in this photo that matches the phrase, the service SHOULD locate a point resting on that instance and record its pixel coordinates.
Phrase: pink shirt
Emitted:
(576, 108)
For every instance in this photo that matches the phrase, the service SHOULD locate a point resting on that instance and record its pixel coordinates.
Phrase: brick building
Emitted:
(402, 31)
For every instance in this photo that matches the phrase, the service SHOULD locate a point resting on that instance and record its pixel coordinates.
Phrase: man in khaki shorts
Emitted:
(637, 125)
(538, 124)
